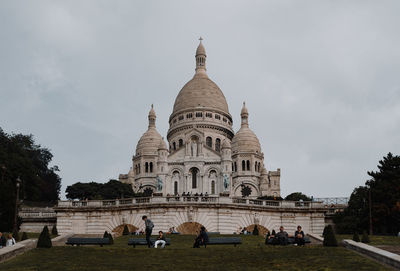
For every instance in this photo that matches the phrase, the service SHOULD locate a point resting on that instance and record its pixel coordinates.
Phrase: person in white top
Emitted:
(10, 241)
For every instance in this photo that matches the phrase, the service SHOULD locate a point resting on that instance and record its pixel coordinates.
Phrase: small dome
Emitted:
(244, 110)
(226, 144)
(149, 142)
(163, 145)
(245, 140)
(264, 172)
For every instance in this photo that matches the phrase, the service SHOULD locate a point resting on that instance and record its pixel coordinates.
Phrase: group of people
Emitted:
(201, 239)
(6, 242)
(282, 237)
(189, 194)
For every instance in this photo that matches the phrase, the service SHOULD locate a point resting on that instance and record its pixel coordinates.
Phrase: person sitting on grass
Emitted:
(10, 240)
(282, 237)
(299, 236)
(201, 239)
(160, 240)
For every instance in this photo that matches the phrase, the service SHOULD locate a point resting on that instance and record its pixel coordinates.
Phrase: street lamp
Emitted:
(18, 184)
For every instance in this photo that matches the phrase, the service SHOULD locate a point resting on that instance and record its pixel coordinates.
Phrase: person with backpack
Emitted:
(148, 229)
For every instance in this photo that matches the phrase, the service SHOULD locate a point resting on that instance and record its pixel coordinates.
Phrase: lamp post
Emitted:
(18, 183)
(370, 211)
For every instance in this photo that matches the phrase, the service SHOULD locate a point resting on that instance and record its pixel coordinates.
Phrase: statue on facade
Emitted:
(194, 148)
(159, 184)
(226, 182)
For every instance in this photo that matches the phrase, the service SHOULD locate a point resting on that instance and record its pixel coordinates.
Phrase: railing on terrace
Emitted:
(188, 200)
(333, 201)
(36, 213)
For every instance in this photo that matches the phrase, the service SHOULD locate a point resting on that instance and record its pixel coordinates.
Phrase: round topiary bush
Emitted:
(126, 230)
(356, 238)
(44, 239)
(329, 237)
(365, 237)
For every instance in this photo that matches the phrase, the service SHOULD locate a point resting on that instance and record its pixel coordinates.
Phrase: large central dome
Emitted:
(200, 92)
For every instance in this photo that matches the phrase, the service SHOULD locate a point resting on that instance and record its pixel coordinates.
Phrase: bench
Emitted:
(87, 241)
(142, 241)
(290, 241)
(224, 241)
(213, 233)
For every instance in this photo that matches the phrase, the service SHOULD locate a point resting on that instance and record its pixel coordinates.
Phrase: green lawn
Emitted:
(251, 255)
(376, 240)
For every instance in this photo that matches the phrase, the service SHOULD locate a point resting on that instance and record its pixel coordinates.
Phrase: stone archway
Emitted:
(192, 228)
(118, 230)
(261, 229)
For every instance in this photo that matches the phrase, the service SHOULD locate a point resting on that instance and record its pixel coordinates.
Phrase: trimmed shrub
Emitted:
(329, 237)
(54, 230)
(255, 231)
(44, 239)
(273, 233)
(356, 238)
(24, 236)
(126, 230)
(365, 237)
(105, 235)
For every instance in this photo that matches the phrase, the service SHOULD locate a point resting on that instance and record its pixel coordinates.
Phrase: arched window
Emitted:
(174, 145)
(218, 144)
(243, 165)
(209, 141)
(139, 167)
(194, 172)
(180, 143)
(213, 187)
(146, 167)
(151, 166)
(259, 166)
(248, 165)
(235, 167)
(255, 167)
(175, 188)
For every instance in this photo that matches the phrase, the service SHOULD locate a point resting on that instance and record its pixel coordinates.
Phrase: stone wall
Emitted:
(224, 215)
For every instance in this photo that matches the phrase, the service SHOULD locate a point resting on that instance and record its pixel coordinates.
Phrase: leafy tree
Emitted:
(296, 196)
(356, 238)
(24, 236)
(365, 237)
(54, 230)
(329, 237)
(111, 190)
(126, 230)
(255, 231)
(21, 157)
(385, 206)
(44, 240)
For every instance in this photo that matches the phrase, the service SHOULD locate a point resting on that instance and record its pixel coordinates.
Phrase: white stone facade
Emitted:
(204, 155)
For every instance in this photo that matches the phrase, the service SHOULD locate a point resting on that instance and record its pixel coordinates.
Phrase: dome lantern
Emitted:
(152, 117)
(244, 114)
(201, 58)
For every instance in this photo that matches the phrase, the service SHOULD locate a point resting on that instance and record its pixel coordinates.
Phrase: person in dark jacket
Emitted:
(148, 229)
(299, 236)
(3, 240)
(201, 239)
(160, 240)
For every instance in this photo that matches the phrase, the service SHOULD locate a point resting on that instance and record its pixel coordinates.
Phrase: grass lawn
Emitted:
(251, 255)
(376, 240)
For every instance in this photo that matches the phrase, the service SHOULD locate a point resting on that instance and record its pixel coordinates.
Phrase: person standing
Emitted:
(148, 229)
(160, 240)
(201, 239)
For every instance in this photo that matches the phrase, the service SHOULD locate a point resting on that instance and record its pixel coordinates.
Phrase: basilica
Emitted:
(203, 155)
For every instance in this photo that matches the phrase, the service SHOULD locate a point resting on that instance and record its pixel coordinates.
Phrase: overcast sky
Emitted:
(321, 80)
